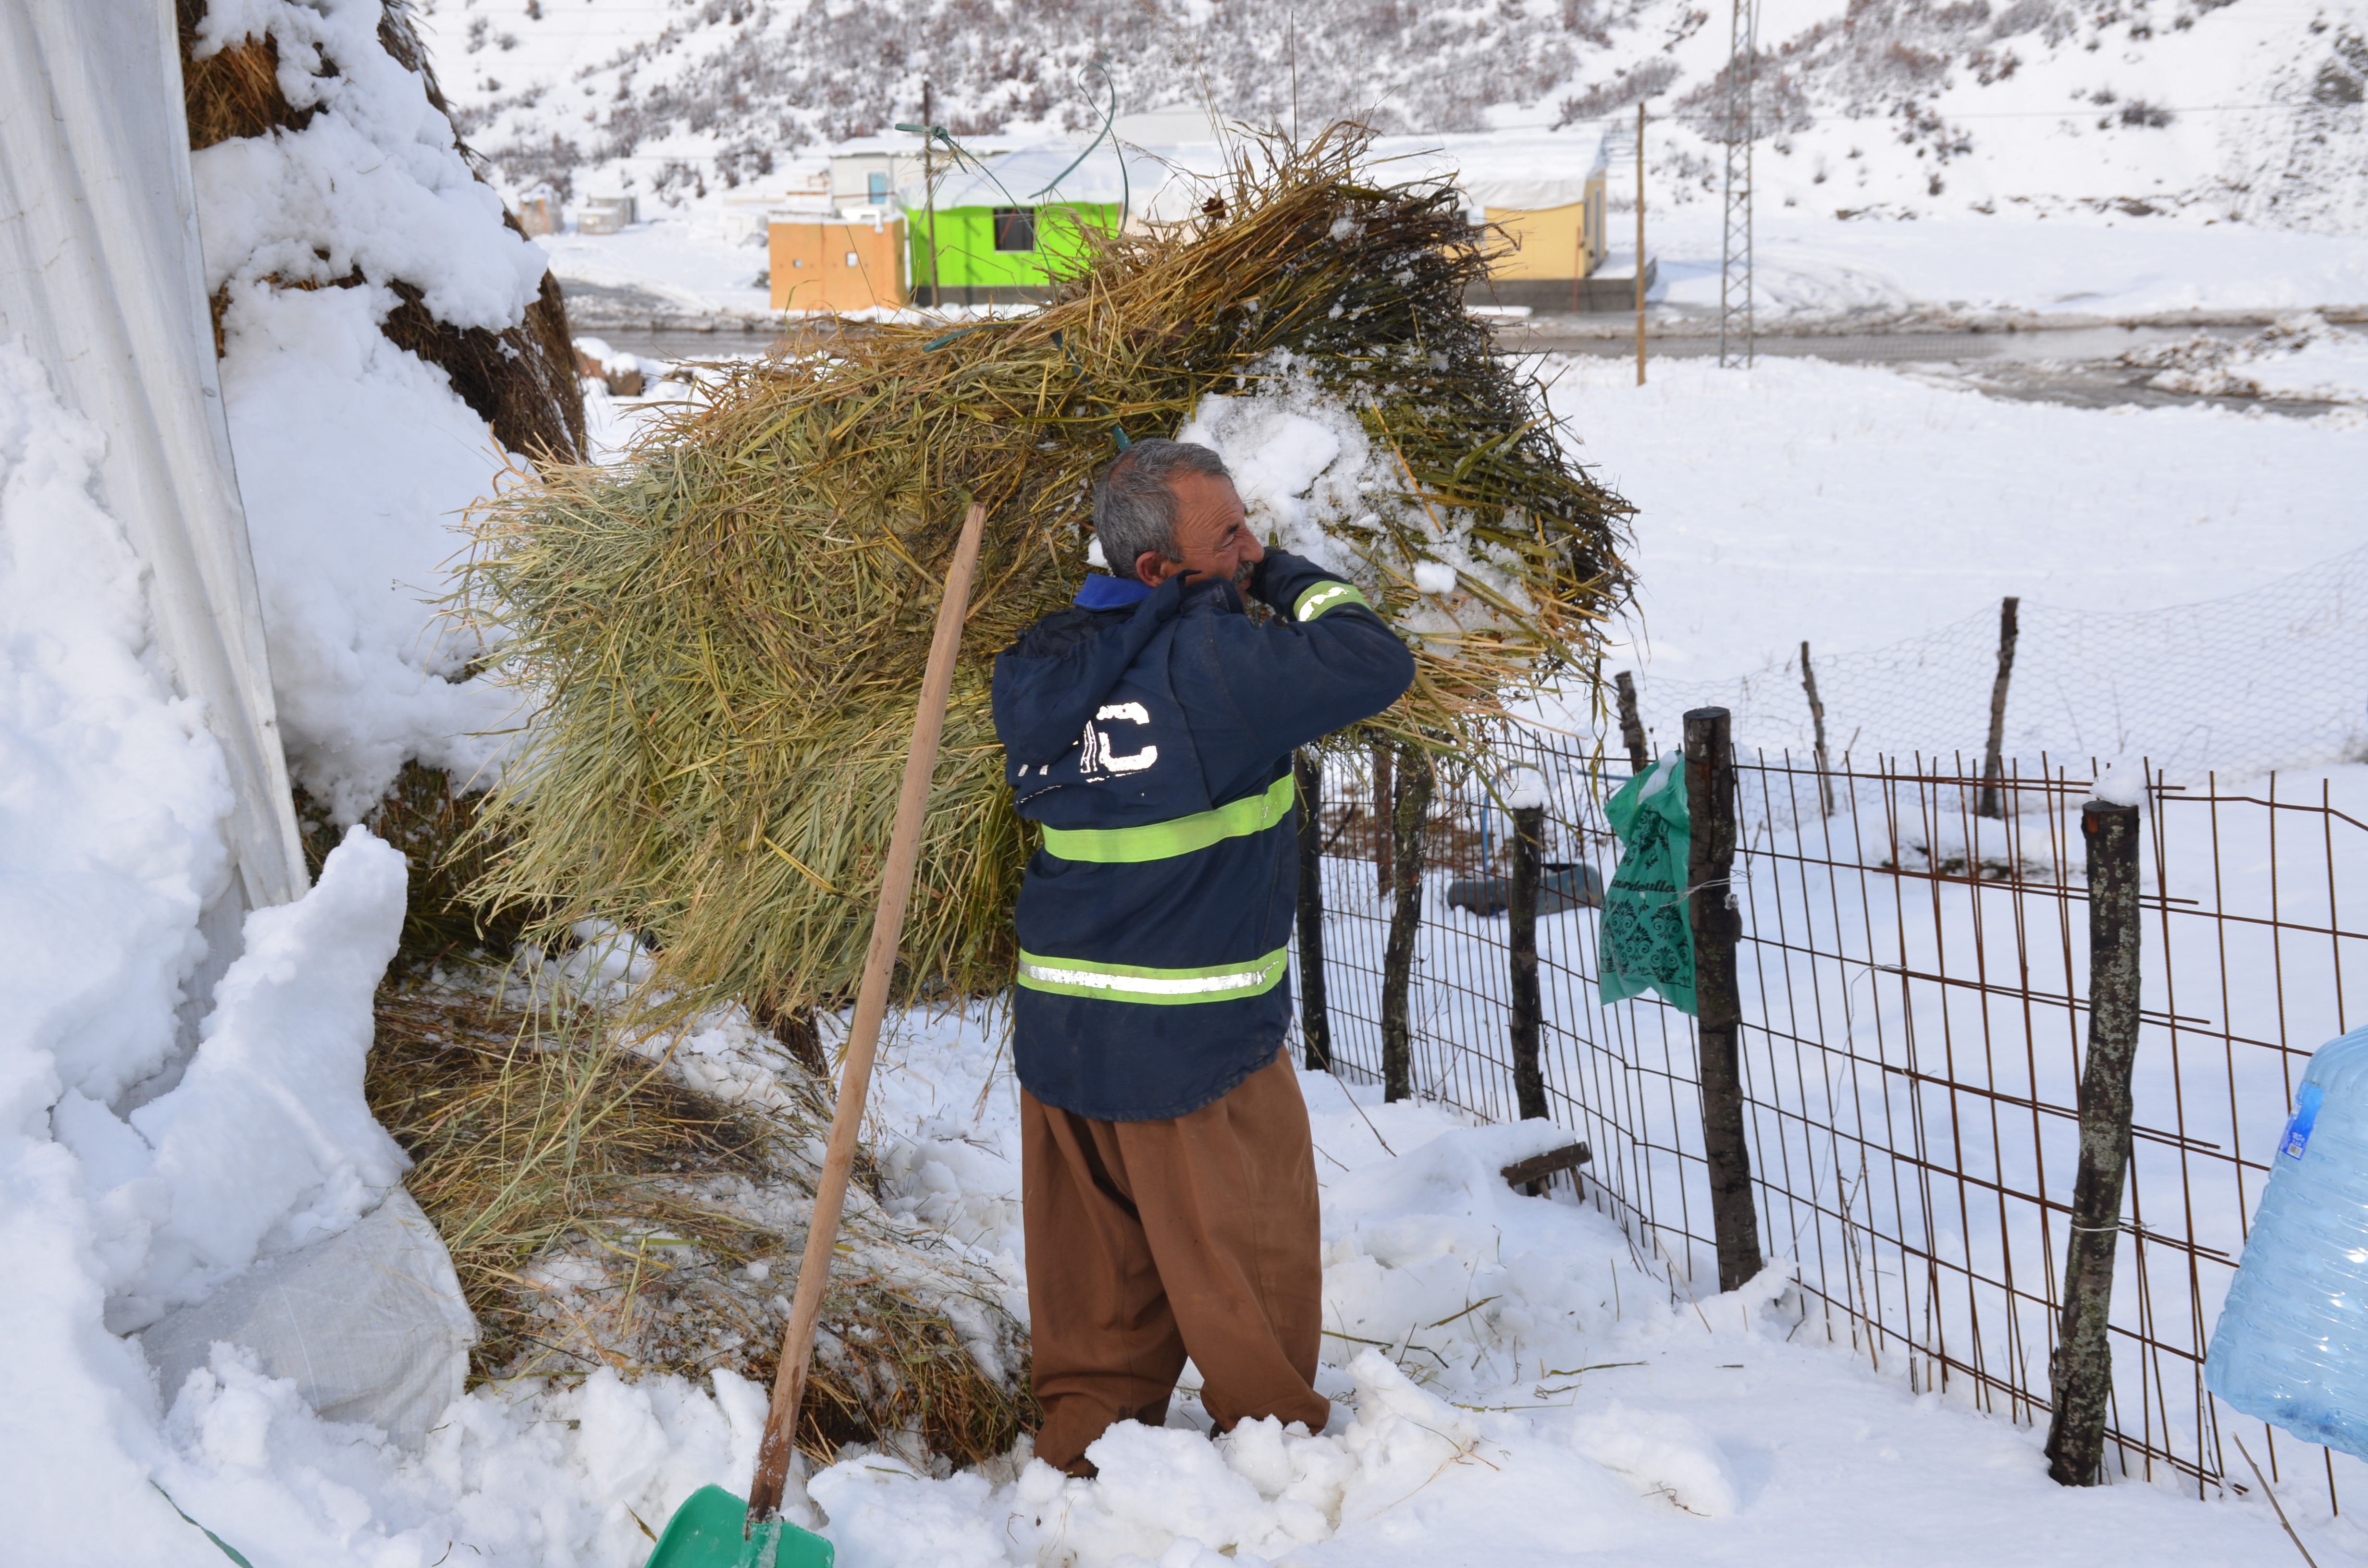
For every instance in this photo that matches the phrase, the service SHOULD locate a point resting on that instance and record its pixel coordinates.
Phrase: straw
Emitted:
(721, 632)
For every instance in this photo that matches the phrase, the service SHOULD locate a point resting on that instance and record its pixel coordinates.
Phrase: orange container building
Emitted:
(825, 264)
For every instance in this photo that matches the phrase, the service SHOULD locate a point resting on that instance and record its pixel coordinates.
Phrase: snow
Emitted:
(2299, 357)
(696, 265)
(1856, 506)
(1277, 449)
(1522, 789)
(1912, 111)
(2074, 264)
(1538, 1391)
(1309, 476)
(1024, 176)
(2009, 159)
(111, 790)
(357, 460)
(312, 206)
(1514, 1379)
(371, 182)
(266, 1144)
(111, 796)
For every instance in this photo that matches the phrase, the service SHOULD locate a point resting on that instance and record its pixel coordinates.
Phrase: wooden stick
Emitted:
(2266, 1491)
(1991, 805)
(863, 1038)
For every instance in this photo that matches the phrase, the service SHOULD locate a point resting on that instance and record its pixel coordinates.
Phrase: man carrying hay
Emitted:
(1168, 1179)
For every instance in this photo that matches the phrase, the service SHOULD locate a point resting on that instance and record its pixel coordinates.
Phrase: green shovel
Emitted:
(713, 1528)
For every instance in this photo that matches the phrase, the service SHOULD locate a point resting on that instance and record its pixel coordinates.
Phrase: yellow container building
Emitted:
(821, 264)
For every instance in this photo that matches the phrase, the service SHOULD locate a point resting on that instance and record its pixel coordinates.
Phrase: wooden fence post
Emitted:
(1632, 728)
(1817, 719)
(1710, 864)
(1384, 806)
(1990, 805)
(1521, 937)
(2082, 1375)
(1314, 1014)
(1416, 776)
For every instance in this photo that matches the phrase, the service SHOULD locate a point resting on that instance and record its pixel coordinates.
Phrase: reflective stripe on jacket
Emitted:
(1153, 741)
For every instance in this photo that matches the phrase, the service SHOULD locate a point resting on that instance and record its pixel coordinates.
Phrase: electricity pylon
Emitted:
(1734, 251)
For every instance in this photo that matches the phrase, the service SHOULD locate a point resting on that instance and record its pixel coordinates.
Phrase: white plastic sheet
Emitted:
(100, 280)
(369, 1323)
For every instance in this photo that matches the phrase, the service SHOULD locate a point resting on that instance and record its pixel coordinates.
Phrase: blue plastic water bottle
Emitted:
(2292, 1345)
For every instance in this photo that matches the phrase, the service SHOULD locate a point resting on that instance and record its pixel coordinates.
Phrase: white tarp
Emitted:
(100, 281)
(369, 1323)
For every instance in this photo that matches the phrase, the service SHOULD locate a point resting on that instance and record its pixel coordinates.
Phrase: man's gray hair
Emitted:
(1133, 508)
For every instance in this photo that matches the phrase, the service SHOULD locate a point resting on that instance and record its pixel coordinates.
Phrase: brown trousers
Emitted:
(1149, 1241)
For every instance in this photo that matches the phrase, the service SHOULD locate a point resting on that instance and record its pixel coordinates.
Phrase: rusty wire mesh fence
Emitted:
(1913, 985)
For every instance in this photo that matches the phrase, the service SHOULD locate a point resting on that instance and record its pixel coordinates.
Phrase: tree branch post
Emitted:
(1993, 754)
(1416, 776)
(1632, 728)
(1818, 722)
(1521, 937)
(1315, 1012)
(1384, 802)
(1709, 866)
(2081, 1375)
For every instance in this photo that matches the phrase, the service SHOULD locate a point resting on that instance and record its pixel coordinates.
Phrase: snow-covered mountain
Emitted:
(2246, 109)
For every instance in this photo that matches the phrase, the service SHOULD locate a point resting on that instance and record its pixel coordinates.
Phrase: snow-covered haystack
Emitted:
(728, 628)
(521, 377)
(602, 1213)
(390, 343)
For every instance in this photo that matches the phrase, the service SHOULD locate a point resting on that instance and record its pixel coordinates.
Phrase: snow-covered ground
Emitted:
(1523, 1386)
(1855, 506)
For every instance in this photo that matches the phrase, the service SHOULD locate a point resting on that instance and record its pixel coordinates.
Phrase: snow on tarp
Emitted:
(112, 796)
(267, 1142)
(143, 801)
(99, 278)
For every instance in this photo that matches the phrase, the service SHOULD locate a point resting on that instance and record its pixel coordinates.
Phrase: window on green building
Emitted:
(1015, 228)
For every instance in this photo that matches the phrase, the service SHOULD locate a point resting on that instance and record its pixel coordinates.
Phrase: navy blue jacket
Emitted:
(1150, 731)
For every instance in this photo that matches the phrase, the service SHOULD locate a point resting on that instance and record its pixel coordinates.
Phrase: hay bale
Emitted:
(726, 630)
(600, 1214)
(521, 380)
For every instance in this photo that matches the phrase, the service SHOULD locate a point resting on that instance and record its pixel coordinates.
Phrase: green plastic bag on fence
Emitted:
(1649, 935)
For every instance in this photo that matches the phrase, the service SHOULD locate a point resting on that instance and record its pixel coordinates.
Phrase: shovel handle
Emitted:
(863, 1038)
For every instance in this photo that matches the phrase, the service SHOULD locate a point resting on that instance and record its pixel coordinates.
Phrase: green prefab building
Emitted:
(1004, 235)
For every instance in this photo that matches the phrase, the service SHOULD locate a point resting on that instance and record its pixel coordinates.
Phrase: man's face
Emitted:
(1210, 532)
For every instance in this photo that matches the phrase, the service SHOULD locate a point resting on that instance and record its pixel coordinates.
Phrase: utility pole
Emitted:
(1735, 250)
(1640, 242)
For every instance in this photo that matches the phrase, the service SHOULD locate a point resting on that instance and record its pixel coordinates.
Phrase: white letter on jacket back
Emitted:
(1099, 756)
